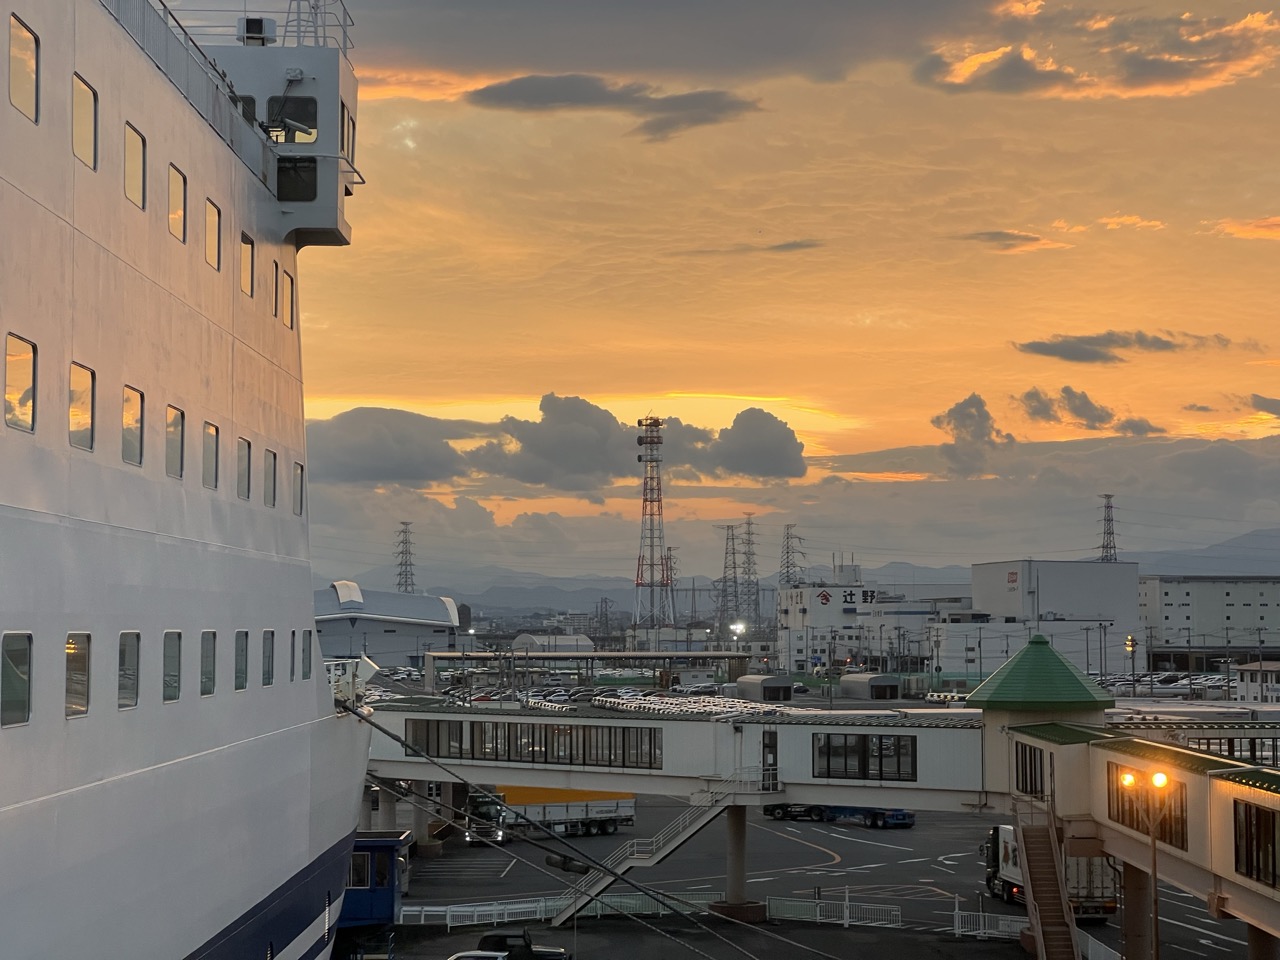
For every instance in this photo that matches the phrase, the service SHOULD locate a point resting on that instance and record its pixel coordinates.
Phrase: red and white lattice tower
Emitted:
(653, 606)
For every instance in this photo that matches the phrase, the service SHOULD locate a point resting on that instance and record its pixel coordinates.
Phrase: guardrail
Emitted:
(1091, 949)
(545, 908)
(834, 911)
(987, 926)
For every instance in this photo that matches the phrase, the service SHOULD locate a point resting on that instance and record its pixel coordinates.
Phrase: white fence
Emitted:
(987, 926)
(1091, 949)
(835, 911)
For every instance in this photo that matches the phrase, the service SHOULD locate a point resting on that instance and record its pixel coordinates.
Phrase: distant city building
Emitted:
(390, 628)
(1194, 621)
(1258, 681)
(552, 643)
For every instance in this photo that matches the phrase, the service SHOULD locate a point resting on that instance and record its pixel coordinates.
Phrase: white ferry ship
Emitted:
(177, 781)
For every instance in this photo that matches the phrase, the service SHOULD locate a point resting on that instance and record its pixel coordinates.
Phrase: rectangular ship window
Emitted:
(299, 488)
(20, 383)
(212, 234)
(210, 465)
(81, 397)
(135, 166)
(297, 179)
(84, 122)
(175, 434)
(177, 203)
(286, 115)
(293, 655)
(306, 654)
(244, 456)
(131, 404)
(268, 657)
(15, 679)
(24, 69)
(242, 659)
(77, 674)
(269, 478)
(208, 662)
(286, 300)
(246, 264)
(172, 665)
(275, 288)
(127, 677)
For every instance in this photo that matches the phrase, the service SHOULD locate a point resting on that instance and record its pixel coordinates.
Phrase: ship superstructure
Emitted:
(177, 781)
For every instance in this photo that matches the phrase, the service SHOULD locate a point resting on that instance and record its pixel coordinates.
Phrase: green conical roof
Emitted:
(1039, 678)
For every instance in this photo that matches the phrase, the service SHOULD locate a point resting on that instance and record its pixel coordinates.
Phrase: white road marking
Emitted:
(793, 829)
(508, 870)
(1211, 933)
(942, 868)
(1178, 946)
(873, 843)
(866, 866)
(760, 879)
(916, 860)
(703, 886)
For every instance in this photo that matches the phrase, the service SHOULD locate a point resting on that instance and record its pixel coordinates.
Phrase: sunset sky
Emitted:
(923, 277)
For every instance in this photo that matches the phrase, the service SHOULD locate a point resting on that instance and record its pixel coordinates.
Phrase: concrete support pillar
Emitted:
(1262, 945)
(453, 797)
(421, 813)
(366, 810)
(388, 810)
(1137, 913)
(735, 860)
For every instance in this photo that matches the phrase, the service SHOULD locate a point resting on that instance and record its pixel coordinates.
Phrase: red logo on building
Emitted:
(824, 598)
(1013, 576)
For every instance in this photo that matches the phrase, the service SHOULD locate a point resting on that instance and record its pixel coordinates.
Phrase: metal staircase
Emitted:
(704, 806)
(1048, 910)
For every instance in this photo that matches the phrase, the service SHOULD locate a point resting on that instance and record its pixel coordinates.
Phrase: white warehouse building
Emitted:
(1195, 621)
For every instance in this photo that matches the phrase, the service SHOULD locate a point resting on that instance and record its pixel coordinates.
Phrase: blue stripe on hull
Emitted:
(285, 913)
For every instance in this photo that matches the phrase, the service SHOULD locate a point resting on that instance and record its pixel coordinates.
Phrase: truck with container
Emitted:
(1090, 882)
(569, 812)
(879, 817)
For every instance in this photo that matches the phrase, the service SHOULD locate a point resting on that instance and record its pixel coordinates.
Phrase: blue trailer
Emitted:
(879, 817)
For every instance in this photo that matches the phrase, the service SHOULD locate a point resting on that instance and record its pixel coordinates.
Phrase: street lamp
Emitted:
(1157, 783)
(1228, 661)
(1131, 648)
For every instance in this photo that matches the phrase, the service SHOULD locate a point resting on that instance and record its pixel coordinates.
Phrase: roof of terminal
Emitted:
(1039, 678)
(1062, 734)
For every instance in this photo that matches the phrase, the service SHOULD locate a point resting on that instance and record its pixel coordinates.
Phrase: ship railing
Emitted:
(171, 48)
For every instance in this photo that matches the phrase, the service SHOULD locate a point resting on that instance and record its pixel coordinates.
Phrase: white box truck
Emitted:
(1090, 881)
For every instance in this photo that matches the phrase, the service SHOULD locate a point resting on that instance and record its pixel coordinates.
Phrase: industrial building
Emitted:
(392, 629)
(1196, 622)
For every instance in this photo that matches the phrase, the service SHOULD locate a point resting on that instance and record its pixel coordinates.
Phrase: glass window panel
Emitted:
(177, 203)
(292, 119)
(81, 397)
(208, 662)
(306, 654)
(286, 300)
(246, 263)
(212, 235)
(269, 478)
(131, 425)
(268, 657)
(244, 456)
(135, 166)
(275, 288)
(210, 464)
(24, 69)
(172, 665)
(242, 659)
(77, 674)
(293, 655)
(358, 877)
(175, 429)
(84, 121)
(15, 679)
(20, 383)
(127, 675)
(299, 488)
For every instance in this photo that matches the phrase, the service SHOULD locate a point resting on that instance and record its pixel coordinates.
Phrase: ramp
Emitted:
(704, 807)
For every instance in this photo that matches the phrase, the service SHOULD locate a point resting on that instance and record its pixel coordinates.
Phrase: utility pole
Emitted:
(404, 552)
(1086, 651)
(1108, 530)
(789, 574)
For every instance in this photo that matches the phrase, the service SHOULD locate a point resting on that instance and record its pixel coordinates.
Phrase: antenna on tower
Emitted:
(653, 606)
(1108, 530)
(404, 550)
(790, 574)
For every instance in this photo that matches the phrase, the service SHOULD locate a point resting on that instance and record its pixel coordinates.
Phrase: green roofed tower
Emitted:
(1039, 679)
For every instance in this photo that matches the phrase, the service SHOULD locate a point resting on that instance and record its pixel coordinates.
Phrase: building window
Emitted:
(860, 756)
(306, 654)
(210, 464)
(246, 264)
(286, 300)
(131, 426)
(1127, 806)
(268, 657)
(81, 399)
(1257, 836)
(175, 429)
(15, 679)
(293, 655)
(77, 685)
(242, 659)
(1029, 762)
(358, 875)
(208, 662)
(269, 478)
(299, 488)
(135, 166)
(275, 288)
(24, 70)
(212, 234)
(177, 203)
(172, 665)
(127, 674)
(84, 122)
(244, 457)
(20, 383)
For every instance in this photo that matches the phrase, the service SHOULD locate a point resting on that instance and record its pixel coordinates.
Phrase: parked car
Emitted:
(520, 946)
(799, 688)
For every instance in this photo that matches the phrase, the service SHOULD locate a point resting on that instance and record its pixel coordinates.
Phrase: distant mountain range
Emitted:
(496, 591)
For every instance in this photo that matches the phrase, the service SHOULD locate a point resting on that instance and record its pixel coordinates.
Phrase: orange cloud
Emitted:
(1130, 220)
(1065, 227)
(388, 83)
(1264, 228)
(1022, 9)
